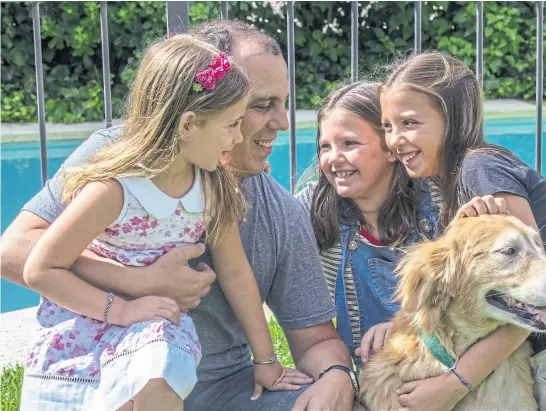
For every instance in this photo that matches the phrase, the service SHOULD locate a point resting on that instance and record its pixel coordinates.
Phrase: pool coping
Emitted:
(17, 328)
(305, 119)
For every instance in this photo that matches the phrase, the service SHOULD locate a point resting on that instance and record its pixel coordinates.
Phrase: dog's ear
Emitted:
(427, 282)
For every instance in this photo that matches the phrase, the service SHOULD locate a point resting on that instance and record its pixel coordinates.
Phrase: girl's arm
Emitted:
(483, 357)
(47, 269)
(241, 290)
(499, 345)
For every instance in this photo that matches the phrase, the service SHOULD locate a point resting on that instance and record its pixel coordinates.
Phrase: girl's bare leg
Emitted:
(157, 395)
(128, 406)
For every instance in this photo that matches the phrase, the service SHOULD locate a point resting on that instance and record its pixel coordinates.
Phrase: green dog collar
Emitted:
(436, 348)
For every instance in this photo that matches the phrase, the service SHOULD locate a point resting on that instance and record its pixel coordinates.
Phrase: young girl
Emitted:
(432, 115)
(158, 186)
(363, 208)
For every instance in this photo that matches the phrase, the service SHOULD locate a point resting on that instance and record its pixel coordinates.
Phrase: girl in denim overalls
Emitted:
(365, 210)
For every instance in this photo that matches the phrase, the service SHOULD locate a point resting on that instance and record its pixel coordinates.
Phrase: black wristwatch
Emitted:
(351, 373)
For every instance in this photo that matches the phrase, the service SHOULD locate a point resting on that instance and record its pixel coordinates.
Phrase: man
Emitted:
(277, 239)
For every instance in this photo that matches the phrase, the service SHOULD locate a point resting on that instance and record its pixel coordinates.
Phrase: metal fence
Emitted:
(178, 21)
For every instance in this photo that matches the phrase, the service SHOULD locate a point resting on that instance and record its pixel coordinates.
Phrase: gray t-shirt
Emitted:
(280, 246)
(487, 173)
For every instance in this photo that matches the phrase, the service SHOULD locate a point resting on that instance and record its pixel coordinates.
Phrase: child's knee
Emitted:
(128, 406)
(158, 395)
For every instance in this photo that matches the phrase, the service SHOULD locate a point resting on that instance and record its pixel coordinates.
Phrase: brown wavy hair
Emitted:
(398, 216)
(149, 140)
(455, 91)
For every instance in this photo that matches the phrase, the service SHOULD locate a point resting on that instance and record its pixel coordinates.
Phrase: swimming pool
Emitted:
(20, 178)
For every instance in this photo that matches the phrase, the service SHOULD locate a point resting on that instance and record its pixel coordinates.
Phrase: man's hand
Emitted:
(333, 392)
(171, 276)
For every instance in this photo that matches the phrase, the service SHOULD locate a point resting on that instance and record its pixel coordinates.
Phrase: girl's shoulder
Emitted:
(158, 204)
(491, 170)
(491, 161)
(490, 156)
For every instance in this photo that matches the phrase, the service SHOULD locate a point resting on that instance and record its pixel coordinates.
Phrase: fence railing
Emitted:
(178, 21)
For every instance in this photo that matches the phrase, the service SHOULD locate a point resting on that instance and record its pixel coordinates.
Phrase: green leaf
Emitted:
(197, 87)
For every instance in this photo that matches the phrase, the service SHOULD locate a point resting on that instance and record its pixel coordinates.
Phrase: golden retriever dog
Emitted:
(481, 274)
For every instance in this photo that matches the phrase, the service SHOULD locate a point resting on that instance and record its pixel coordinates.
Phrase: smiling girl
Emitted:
(433, 120)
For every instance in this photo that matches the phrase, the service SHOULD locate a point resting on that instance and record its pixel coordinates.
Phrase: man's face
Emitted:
(266, 111)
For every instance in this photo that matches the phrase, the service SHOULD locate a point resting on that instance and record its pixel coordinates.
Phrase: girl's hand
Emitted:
(274, 377)
(434, 394)
(373, 339)
(127, 313)
(482, 205)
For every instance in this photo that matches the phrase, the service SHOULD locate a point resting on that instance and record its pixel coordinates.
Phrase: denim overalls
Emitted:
(374, 280)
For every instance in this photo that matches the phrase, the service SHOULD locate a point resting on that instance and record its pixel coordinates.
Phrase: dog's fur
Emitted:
(442, 289)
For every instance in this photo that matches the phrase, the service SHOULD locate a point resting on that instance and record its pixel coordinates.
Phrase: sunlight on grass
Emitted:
(11, 382)
(280, 344)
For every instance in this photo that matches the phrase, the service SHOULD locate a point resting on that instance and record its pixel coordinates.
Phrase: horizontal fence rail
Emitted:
(178, 22)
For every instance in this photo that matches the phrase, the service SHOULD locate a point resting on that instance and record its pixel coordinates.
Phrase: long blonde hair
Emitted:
(149, 140)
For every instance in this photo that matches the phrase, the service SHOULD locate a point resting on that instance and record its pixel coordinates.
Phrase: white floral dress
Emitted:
(78, 363)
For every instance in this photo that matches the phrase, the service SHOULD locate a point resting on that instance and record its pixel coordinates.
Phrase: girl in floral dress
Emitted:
(159, 185)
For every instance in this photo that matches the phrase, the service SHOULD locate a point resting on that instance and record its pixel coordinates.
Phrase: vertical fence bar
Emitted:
(292, 93)
(105, 63)
(417, 26)
(178, 17)
(37, 29)
(354, 41)
(540, 83)
(479, 41)
(224, 9)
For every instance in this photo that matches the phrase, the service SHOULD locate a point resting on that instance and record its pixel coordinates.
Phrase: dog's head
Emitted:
(487, 271)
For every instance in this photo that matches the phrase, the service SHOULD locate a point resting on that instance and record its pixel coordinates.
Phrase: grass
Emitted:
(11, 380)
(10, 387)
(280, 344)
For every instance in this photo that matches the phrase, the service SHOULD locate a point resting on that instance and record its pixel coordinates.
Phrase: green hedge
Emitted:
(72, 51)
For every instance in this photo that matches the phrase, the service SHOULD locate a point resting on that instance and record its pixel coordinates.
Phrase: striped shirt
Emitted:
(331, 260)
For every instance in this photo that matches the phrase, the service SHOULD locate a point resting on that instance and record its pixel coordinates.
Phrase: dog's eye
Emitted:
(508, 251)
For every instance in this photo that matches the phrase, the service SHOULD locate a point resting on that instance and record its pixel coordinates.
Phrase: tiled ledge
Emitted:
(18, 133)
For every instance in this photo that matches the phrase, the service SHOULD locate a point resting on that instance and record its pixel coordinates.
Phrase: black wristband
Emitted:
(350, 373)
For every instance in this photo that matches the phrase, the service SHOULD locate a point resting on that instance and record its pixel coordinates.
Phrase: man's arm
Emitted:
(169, 276)
(315, 349)
(22, 235)
(301, 302)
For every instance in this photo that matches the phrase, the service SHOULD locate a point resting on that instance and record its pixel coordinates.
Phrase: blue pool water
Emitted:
(20, 178)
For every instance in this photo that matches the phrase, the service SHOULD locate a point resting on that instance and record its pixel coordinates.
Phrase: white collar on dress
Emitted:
(159, 204)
